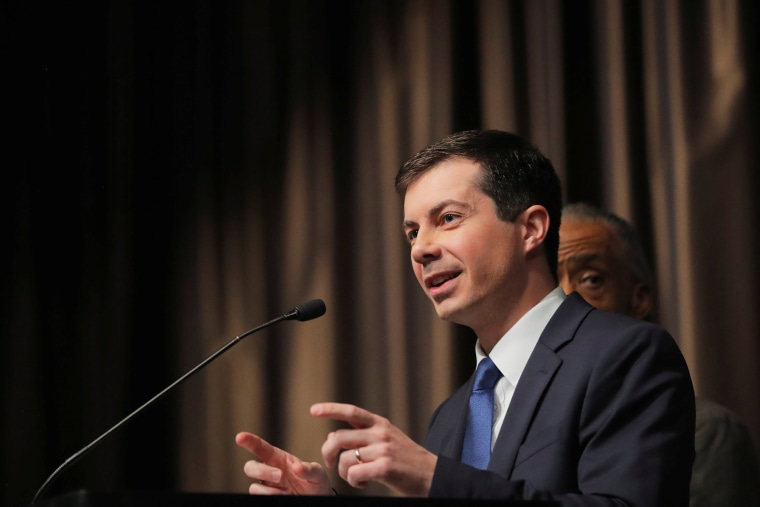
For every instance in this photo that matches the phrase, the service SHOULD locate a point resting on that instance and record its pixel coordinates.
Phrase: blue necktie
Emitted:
(476, 450)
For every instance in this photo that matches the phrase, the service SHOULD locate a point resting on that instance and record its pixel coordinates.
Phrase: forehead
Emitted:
(581, 237)
(453, 179)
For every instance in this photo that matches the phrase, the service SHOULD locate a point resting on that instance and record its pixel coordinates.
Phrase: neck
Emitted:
(494, 327)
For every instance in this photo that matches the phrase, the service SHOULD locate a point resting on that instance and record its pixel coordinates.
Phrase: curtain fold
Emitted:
(212, 166)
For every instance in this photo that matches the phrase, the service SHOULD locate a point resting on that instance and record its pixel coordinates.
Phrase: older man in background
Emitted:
(601, 258)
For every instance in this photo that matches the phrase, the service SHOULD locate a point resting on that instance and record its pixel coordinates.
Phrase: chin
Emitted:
(449, 311)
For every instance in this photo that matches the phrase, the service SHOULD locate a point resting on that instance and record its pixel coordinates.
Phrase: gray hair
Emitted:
(624, 231)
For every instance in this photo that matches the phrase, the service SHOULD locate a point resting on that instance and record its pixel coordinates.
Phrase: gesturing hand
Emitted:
(385, 454)
(281, 473)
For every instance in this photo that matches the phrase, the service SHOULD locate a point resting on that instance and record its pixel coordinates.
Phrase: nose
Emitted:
(425, 248)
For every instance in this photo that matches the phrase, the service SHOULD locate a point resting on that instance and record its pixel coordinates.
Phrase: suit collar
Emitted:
(540, 369)
(566, 320)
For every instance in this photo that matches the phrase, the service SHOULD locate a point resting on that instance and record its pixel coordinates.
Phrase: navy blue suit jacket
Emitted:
(603, 414)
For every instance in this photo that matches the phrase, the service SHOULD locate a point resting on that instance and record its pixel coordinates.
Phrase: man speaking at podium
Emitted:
(567, 403)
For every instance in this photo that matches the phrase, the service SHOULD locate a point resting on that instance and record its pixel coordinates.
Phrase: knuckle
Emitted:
(386, 449)
(384, 467)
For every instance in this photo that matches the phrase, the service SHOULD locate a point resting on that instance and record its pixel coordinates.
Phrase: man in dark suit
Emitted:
(600, 257)
(580, 406)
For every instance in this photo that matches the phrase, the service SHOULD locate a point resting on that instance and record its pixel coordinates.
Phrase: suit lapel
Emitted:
(535, 379)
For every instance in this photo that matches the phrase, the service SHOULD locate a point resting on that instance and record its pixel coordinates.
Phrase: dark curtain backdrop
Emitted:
(175, 173)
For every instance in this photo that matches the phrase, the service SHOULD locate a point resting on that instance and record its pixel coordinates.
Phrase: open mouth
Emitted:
(439, 280)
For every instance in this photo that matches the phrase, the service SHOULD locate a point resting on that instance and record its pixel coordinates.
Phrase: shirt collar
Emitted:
(512, 351)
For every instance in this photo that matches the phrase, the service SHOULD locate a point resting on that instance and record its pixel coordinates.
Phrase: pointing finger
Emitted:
(353, 415)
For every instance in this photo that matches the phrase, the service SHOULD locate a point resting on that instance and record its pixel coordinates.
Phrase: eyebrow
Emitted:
(435, 210)
(582, 258)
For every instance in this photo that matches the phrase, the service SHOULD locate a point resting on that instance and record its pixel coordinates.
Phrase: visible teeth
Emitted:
(439, 281)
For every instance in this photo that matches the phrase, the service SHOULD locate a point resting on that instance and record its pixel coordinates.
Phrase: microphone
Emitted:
(306, 311)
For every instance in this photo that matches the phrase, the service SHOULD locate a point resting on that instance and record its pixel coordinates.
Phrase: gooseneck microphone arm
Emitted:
(307, 311)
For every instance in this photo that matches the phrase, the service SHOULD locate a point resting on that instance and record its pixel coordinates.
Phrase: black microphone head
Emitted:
(310, 310)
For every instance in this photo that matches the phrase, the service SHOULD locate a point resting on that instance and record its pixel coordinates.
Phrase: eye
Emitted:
(411, 235)
(592, 281)
(448, 218)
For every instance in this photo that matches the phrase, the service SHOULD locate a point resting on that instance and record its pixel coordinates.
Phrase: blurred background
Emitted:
(176, 173)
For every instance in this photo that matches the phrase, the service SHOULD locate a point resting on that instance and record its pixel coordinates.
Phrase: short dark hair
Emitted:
(514, 173)
(635, 260)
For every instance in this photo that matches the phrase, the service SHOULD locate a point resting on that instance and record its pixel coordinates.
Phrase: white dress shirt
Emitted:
(512, 351)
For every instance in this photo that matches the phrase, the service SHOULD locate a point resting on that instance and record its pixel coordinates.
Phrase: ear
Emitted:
(642, 300)
(535, 221)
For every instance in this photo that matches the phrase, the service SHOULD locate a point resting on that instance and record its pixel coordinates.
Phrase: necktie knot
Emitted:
(486, 375)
